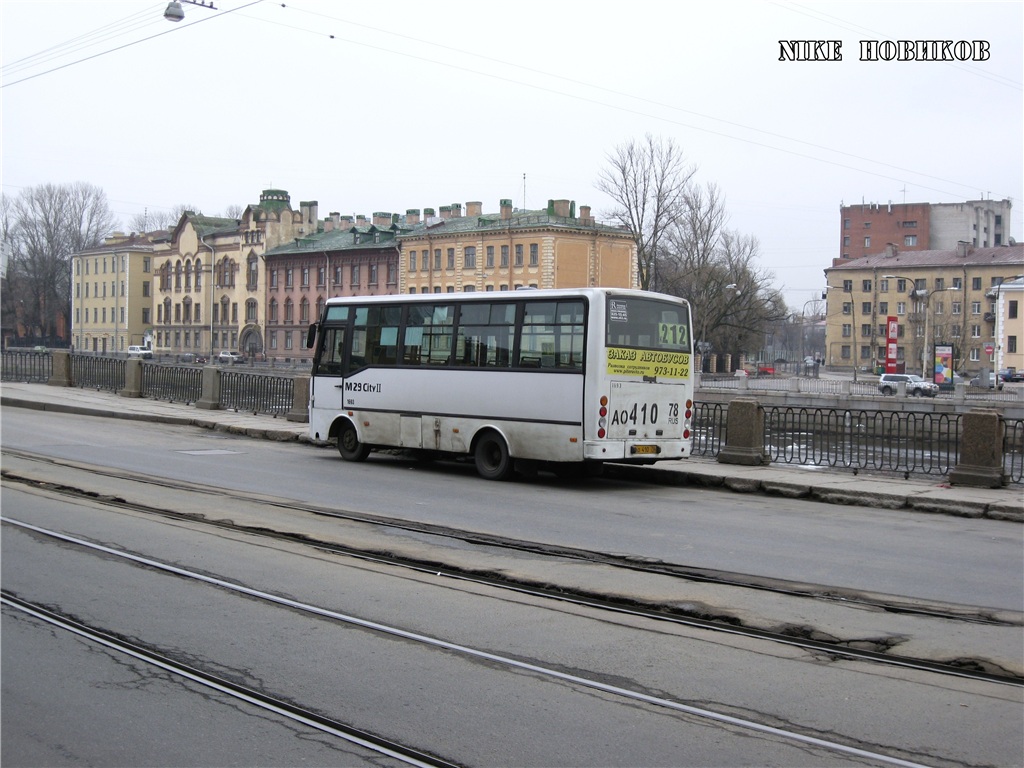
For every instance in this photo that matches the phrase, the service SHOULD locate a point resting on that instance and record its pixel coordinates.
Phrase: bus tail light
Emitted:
(602, 412)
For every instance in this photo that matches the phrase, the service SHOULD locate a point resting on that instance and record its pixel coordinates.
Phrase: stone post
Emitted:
(209, 400)
(132, 378)
(981, 450)
(60, 375)
(300, 401)
(744, 433)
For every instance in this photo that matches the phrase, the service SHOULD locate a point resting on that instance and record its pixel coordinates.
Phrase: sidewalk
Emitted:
(921, 493)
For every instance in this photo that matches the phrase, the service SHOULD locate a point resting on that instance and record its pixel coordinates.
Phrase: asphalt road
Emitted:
(477, 675)
(938, 558)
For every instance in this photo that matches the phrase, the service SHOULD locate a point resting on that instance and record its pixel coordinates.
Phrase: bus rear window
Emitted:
(647, 324)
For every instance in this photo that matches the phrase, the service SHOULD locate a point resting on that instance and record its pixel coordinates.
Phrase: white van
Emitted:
(142, 352)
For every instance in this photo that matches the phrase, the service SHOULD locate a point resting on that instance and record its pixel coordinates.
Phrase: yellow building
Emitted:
(552, 248)
(111, 295)
(937, 297)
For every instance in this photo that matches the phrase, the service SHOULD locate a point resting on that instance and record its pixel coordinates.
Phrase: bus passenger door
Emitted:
(328, 385)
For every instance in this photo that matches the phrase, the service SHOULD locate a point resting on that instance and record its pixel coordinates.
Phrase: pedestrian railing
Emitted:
(174, 383)
(886, 441)
(883, 441)
(256, 393)
(92, 372)
(26, 365)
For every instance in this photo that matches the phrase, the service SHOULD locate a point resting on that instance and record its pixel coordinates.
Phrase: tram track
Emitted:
(802, 637)
(152, 655)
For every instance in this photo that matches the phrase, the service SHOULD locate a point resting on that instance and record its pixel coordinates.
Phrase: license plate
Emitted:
(644, 449)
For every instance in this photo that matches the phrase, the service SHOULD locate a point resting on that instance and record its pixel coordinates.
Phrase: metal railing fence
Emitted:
(175, 383)
(26, 366)
(881, 441)
(91, 372)
(1013, 449)
(709, 424)
(256, 393)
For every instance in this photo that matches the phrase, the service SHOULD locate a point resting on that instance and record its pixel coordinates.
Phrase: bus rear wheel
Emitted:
(348, 444)
(491, 457)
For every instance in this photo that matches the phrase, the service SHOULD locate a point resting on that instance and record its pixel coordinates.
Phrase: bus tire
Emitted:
(348, 443)
(492, 458)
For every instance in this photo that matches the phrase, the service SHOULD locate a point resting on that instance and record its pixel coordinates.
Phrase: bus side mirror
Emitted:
(311, 336)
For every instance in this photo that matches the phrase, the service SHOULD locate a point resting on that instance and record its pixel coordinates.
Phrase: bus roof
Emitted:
(520, 293)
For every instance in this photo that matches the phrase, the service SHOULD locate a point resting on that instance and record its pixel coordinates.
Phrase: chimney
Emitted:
(585, 215)
(446, 211)
(412, 216)
(561, 208)
(346, 222)
(381, 219)
(310, 213)
(891, 250)
(506, 210)
(360, 220)
(328, 224)
(474, 208)
(456, 210)
(962, 249)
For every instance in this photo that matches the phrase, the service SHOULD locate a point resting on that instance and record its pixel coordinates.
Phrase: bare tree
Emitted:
(151, 221)
(234, 211)
(43, 227)
(716, 270)
(647, 181)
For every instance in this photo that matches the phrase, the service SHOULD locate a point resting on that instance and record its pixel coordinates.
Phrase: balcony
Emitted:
(989, 317)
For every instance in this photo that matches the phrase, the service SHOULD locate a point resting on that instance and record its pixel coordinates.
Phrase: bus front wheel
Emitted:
(348, 443)
(491, 457)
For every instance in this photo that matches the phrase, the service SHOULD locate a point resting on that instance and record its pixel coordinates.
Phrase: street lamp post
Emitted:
(174, 11)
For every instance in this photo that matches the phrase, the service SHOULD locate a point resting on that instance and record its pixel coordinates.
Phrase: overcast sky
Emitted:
(394, 104)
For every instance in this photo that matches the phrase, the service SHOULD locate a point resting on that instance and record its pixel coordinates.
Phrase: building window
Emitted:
(451, 258)
(956, 331)
(910, 239)
(304, 310)
(975, 331)
(373, 274)
(321, 277)
(354, 281)
(975, 355)
(534, 254)
(865, 308)
(901, 307)
(504, 256)
(847, 330)
(865, 330)
(846, 223)
(883, 309)
(847, 286)
(289, 278)
(437, 259)
(1011, 344)
(844, 351)
(957, 307)
(958, 283)
(975, 307)
(519, 255)
(940, 284)
(412, 261)
(867, 242)
(337, 275)
(975, 283)
(846, 241)
(305, 277)
(490, 257)
(865, 286)
(272, 276)
(469, 258)
(910, 225)
(847, 308)
(272, 311)
(1011, 310)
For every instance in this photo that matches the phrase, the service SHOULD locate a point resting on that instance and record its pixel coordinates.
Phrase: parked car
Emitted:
(995, 381)
(888, 384)
(1012, 374)
(141, 352)
(191, 357)
(230, 357)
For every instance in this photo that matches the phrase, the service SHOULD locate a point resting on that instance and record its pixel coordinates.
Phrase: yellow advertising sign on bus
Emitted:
(648, 362)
